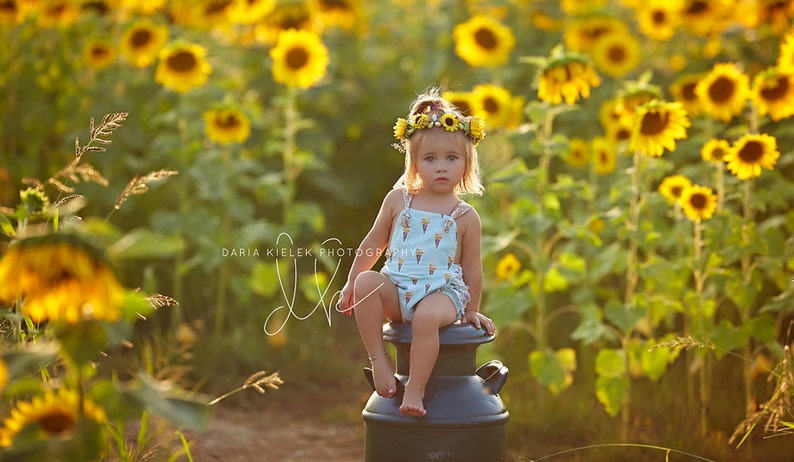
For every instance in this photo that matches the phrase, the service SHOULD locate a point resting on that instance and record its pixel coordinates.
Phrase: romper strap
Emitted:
(460, 210)
(407, 198)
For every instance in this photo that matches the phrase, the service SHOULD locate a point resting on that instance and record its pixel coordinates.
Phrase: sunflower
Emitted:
(750, 154)
(683, 91)
(574, 7)
(449, 122)
(286, 16)
(659, 19)
(672, 187)
(183, 66)
(300, 59)
(144, 7)
(202, 14)
(578, 154)
(483, 42)
(704, 17)
(9, 13)
(616, 54)
(603, 153)
(507, 267)
(584, 32)
(715, 150)
(773, 93)
(250, 11)
(698, 202)
(141, 42)
(723, 91)
(98, 53)
(460, 99)
(61, 279)
(345, 14)
(493, 103)
(54, 414)
(3, 376)
(567, 78)
(57, 13)
(227, 125)
(658, 124)
(785, 59)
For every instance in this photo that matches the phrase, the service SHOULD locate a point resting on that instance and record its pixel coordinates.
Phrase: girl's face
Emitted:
(440, 161)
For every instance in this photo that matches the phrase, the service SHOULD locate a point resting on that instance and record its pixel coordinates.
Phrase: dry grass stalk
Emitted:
(260, 381)
(110, 122)
(160, 301)
(686, 343)
(779, 407)
(140, 185)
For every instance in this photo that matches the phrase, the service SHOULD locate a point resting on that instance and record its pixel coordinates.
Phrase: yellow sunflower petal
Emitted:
(300, 59)
(483, 42)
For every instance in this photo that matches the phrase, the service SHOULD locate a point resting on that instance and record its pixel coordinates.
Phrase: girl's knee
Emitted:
(366, 282)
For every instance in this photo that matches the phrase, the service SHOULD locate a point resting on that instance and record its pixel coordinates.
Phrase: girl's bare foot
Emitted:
(383, 375)
(412, 404)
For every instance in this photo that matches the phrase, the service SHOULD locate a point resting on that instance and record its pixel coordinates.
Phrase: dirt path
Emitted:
(285, 428)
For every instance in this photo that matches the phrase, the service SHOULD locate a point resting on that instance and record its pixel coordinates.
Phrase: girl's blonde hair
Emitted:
(431, 103)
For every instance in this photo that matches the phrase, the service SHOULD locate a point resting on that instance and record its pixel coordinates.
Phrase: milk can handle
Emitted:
(494, 373)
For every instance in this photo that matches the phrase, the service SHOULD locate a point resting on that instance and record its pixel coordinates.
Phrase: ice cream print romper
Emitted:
(421, 257)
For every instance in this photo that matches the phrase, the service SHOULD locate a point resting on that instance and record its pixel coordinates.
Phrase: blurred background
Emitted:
(637, 222)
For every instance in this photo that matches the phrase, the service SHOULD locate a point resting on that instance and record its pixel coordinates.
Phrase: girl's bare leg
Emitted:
(432, 313)
(375, 296)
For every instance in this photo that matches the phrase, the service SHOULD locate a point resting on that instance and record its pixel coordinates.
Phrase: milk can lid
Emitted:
(454, 334)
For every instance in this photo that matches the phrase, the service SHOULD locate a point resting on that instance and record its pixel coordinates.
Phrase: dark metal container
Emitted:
(466, 417)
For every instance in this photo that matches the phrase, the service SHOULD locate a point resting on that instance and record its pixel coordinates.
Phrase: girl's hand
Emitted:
(345, 300)
(478, 320)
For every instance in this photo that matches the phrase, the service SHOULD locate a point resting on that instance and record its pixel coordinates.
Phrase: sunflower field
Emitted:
(184, 183)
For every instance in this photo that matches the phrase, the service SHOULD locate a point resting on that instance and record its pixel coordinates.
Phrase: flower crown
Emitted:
(474, 126)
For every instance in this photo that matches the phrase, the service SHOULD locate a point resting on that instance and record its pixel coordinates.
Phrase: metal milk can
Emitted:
(466, 417)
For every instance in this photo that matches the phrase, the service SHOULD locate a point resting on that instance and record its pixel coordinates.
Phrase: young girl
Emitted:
(432, 276)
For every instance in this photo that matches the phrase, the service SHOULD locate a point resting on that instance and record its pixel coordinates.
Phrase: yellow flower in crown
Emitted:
(477, 128)
(474, 126)
(52, 415)
(399, 128)
(449, 122)
(60, 278)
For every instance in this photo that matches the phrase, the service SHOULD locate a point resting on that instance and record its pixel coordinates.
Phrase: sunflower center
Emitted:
(616, 54)
(751, 152)
(56, 422)
(490, 105)
(335, 4)
(697, 8)
(623, 134)
(698, 201)
(777, 90)
(217, 7)
(228, 121)
(297, 58)
(718, 154)
(688, 91)
(653, 123)
(8, 6)
(140, 38)
(659, 18)
(99, 52)
(722, 90)
(676, 191)
(485, 38)
(182, 61)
